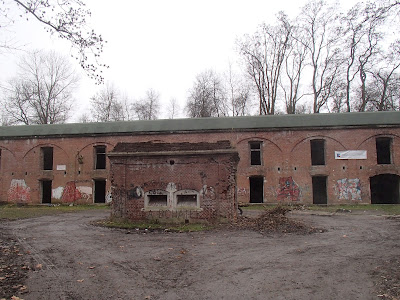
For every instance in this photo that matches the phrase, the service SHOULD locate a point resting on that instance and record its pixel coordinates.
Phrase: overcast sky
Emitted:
(159, 44)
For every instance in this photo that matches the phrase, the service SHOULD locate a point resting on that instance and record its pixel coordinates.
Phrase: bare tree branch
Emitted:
(68, 19)
(42, 94)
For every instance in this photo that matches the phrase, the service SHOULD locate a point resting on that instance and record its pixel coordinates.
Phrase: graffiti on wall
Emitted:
(70, 193)
(208, 192)
(288, 190)
(86, 192)
(19, 191)
(242, 191)
(348, 189)
(109, 197)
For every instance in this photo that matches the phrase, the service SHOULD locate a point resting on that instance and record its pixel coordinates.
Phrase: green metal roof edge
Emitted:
(208, 124)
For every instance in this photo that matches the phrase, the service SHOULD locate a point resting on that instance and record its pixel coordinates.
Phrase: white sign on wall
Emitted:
(351, 154)
(61, 167)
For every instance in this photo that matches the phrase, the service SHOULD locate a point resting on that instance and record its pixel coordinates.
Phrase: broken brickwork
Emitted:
(178, 181)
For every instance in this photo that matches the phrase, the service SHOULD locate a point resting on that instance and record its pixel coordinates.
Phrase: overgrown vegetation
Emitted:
(153, 226)
(14, 212)
(391, 209)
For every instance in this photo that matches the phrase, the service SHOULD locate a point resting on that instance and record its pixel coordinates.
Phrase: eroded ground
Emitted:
(71, 259)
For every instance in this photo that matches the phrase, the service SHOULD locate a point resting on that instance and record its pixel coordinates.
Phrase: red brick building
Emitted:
(318, 158)
(182, 181)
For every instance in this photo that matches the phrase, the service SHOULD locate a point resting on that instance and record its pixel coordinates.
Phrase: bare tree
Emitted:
(173, 108)
(106, 105)
(148, 108)
(383, 90)
(237, 94)
(361, 38)
(84, 118)
(42, 93)
(321, 35)
(206, 98)
(67, 19)
(294, 64)
(264, 53)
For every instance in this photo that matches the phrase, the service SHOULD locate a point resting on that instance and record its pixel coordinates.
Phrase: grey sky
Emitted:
(156, 44)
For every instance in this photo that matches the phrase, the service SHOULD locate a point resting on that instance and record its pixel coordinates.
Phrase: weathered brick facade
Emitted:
(186, 181)
(275, 159)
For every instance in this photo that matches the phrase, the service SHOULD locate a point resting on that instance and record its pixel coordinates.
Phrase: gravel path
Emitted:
(81, 261)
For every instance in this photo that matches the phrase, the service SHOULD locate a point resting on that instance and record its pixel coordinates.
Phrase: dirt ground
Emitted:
(355, 256)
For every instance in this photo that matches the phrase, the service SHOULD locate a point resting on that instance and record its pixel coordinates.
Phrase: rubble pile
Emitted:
(275, 221)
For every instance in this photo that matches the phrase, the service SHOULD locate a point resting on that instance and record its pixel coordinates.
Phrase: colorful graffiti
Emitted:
(70, 193)
(348, 189)
(19, 191)
(288, 190)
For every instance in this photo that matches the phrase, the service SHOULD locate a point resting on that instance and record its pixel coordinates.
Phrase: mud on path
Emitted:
(81, 261)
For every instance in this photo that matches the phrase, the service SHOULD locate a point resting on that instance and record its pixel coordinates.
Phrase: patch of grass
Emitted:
(125, 224)
(390, 209)
(14, 212)
(257, 206)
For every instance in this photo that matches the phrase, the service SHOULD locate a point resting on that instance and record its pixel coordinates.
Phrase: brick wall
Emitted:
(286, 164)
(209, 175)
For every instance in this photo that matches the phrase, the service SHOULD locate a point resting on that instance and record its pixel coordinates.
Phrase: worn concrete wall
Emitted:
(285, 158)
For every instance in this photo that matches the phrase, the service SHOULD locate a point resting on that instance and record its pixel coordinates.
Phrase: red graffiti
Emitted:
(288, 190)
(19, 191)
(70, 193)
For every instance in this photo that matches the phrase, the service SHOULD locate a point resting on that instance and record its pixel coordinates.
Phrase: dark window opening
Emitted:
(385, 189)
(100, 160)
(317, 152)
(46, 186)
(255, 153)
(383, 154)
(99, 191)
(319, 190)
(157, 200)
(257, 189)
(186, 200)
(47, 158)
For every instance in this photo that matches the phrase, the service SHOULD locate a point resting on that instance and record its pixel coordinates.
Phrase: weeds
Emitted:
(153, 225)
(14, 212)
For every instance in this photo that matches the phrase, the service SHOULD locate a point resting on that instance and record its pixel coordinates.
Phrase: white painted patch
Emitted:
(57, 193)
(108, 197)
(18, 183)
(85, 190)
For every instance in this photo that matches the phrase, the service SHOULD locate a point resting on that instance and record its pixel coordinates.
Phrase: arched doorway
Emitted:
(385, 189)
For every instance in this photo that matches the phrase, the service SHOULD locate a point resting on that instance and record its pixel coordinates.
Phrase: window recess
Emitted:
(317, 152)
(255, 153)
(47, 158)
(100, 157)
(383, 150)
